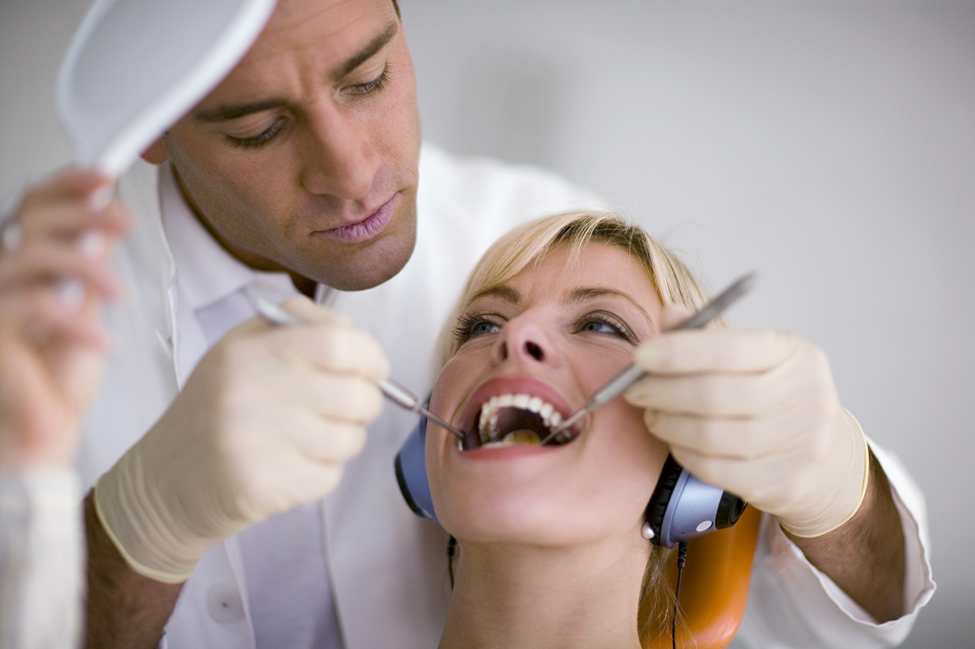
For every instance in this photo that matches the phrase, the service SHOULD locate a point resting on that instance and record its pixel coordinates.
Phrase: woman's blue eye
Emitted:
(471, 326)
(605, 325)
(599, 327)
(483, 327)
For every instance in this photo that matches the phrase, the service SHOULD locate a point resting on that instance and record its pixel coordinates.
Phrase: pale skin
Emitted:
(52, 349)
(315, 132)
(558, 525)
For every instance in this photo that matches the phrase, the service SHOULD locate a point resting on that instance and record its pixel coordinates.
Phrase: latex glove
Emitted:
(265, 423)
(756, 413)
(52, 343)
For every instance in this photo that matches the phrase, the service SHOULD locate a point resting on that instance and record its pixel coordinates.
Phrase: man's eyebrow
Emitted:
(227, 113)
(376, 44)
(502, 291)
(591, 293)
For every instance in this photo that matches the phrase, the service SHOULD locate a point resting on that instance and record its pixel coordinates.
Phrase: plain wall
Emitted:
(828, 145)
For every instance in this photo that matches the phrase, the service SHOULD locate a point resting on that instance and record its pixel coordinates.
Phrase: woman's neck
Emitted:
(521, 597)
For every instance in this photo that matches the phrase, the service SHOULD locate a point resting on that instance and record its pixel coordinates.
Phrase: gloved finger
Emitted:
(305, 481)
(749, 479)
(346, 398)
(330, 441)
(277, 484)
(331, 348)
(746, 438)
(292, 433)
(715, 350)
(712, 395)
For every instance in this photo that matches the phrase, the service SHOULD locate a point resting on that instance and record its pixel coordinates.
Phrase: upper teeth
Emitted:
(488, 425)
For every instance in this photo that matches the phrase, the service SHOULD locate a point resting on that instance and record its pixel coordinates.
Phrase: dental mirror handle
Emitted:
(409, 401)
(390, 388)
(619, 383)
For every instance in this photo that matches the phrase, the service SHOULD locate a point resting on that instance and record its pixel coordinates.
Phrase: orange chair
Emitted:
(714, 586)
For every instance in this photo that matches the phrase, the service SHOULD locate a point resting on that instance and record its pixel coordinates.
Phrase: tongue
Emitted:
(528, 437)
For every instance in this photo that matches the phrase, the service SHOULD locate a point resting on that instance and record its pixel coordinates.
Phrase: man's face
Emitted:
(305, 157)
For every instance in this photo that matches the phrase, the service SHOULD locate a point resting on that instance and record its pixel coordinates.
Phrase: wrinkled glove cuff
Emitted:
(127, 511)
(851, 487)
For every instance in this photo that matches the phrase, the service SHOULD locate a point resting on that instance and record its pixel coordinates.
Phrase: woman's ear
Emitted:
(156, 153)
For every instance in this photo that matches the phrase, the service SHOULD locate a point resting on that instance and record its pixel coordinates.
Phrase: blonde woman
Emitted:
(553, 547)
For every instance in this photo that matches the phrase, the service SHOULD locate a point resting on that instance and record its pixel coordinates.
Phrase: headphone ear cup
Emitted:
(683, 507)
(660, 500)
(411, 473)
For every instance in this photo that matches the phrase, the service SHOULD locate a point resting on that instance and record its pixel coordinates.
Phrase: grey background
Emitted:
(830, 145)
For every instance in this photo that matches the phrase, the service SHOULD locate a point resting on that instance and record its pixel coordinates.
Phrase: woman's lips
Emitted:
(510, 385)
(365, 229)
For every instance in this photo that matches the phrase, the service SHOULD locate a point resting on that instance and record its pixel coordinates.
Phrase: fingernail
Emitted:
(101, 197)
(91, 244)
(71, 293)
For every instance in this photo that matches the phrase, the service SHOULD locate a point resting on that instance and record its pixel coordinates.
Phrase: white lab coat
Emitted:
(388, 568)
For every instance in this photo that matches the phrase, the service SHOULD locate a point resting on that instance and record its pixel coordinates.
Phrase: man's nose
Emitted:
(339, 159)
(523, 340)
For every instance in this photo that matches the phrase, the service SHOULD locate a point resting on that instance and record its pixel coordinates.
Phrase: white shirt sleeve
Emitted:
(793, 604)
(41, 559)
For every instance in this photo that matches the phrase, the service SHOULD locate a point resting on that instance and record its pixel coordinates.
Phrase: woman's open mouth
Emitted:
(517, 419)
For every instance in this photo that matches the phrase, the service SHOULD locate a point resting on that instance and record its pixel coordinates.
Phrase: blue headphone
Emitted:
(681, 507)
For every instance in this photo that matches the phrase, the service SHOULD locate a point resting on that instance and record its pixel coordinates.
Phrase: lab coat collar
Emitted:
(206, 273)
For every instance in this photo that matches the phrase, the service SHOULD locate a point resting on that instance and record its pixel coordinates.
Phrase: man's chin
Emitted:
(369, 267)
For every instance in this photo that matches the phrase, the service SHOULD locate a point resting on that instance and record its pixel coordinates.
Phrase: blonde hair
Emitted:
(675, 284)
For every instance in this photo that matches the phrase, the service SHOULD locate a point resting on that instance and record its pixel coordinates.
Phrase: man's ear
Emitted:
(156, 153)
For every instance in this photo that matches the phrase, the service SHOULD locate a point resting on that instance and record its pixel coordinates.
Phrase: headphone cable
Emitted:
(451, 552)
(681, 558)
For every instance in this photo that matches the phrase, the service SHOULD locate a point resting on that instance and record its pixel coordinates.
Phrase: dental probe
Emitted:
(390, 388)
(619, 383)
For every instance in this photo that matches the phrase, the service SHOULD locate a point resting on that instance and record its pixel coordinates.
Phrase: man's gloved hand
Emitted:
(266, 422)
(756, 413)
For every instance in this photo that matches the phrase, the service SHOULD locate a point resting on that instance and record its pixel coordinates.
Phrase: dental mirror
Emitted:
(136, 66)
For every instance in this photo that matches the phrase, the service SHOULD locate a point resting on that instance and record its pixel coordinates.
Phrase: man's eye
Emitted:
(261, 138)
(370, 87)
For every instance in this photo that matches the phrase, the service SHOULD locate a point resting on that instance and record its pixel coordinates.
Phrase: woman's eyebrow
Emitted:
(591, 293)
(502, 291)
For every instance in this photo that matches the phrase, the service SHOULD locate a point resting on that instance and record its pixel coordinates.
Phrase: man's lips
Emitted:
(365, 229)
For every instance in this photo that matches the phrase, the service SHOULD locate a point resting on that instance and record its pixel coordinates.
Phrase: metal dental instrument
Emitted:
(619, 383)
(390, 388)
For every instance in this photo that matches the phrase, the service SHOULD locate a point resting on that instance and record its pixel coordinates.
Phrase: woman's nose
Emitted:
(524, 340)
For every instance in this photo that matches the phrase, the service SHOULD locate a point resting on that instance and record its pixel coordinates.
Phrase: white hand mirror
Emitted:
(135, 67)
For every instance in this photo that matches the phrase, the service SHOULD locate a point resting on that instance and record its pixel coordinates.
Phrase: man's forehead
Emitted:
(329, 36)
(336, 26)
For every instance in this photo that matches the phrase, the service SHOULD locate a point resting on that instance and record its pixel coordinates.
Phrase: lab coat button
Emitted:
(224, 604)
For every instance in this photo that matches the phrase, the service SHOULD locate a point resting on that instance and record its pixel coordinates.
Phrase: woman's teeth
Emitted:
(491, 435)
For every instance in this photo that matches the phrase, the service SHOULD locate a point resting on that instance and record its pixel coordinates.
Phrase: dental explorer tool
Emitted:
(619, 383)
(390, 388)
